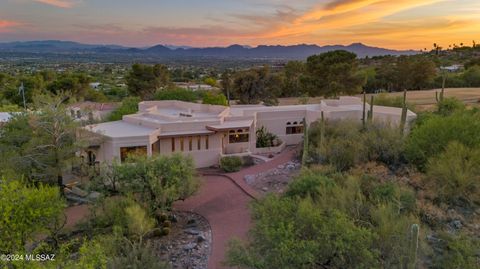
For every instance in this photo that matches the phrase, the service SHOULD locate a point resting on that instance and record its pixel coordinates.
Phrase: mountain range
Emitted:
(300, 51)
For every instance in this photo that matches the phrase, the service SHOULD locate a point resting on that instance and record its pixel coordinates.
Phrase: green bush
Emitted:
(435, 132)
(448, 106)
(457, 252)
(129, 106)
(231, 164)
(266, 139)
(454, 175)
(110, 212)
(215, 99)
(179, 94)
(345, 144)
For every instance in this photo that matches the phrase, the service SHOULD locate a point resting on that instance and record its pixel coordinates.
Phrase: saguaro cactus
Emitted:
(403, 119)
(305, 142)
(370, 112)
(364, 114)
(413, 246)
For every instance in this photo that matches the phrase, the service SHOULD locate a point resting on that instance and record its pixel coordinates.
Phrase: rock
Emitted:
(281, 166)
(189, 246)
(192, 231)
(290, 167)
(433, 239)
(93, 196)
(265, 189)
(249, 179)
(201, 239)
(79, 192)
(457, 224)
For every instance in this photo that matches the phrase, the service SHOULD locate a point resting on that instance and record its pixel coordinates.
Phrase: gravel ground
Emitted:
(188, 246)
(276, 179)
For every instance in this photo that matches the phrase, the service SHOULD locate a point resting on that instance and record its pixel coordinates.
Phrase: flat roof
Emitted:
(227, 125)
(119, 129)
(185, 133)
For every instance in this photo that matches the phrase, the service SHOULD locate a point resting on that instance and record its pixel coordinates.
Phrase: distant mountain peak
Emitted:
(299, 51)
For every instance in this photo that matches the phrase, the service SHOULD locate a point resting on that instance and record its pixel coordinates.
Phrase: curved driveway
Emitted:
(225, 206)
(224, 200)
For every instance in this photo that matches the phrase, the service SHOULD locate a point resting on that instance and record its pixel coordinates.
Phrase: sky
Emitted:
(396, 24)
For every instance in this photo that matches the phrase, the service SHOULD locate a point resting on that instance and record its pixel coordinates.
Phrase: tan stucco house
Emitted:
(208, 132)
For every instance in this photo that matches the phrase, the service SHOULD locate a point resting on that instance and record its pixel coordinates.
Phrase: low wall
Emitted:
(276, 149)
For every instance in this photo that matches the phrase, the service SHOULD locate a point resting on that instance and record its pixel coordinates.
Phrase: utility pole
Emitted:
(22, 91)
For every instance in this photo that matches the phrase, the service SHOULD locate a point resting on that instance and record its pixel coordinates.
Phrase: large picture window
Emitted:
(128, 151)
(238, 136)
(295, 127)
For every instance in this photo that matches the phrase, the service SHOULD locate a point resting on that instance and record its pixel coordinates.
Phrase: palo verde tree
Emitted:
(160, 180)
(25, 213)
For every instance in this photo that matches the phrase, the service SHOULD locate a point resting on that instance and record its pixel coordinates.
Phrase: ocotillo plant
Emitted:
(370, 112)
(305, 142)
(413, 246)
(403, 119)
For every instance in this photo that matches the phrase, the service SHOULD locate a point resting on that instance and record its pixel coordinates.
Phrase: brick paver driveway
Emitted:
(223, 201)
(225, 206)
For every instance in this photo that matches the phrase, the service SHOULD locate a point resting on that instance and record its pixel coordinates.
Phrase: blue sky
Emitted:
(413, 24)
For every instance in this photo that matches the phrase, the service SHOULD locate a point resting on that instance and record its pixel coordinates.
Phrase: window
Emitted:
(206, 142)
(190, 143)
(125, 152)
(181, 144)
(294, 128)
(156, 148)
(173, 144)
(238, 136)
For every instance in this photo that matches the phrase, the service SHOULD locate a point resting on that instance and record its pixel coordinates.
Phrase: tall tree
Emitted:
(145, 80)
(294, 71)
(256, 85)
(332, 74)
(54, 143)
(43, 143)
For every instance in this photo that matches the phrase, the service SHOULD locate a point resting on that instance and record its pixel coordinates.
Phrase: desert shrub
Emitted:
(454, 175)
(110, 212)
(457, 252)
(129, 106)
(179, 94)
(138, 221)
(231, 163)
(289, 226)
(345, 144)
(448, 106)
(436, 132)
(384, 143)
(292, 233)
(266, 139)
(158, 181)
